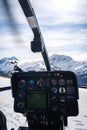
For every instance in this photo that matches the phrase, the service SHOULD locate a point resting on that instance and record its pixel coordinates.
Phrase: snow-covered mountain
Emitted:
(58, 62)
(6, 65)
(63, 62)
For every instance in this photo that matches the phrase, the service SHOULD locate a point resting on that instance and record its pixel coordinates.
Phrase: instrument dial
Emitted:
(54, 82)
(22, 83)
(61, 82)
(41, 83)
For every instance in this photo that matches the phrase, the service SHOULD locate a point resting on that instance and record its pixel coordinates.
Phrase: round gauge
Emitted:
(22, 83)
(61, 82)
(62, 90)
(41, 83)
(54, 90)
(54, 82)
(31, 82)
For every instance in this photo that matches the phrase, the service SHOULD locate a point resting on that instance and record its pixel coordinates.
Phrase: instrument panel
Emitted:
(55, 91)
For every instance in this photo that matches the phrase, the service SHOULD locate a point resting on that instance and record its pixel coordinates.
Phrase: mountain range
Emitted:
(58, 62)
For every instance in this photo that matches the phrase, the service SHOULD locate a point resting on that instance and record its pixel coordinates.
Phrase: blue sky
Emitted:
(63, 25)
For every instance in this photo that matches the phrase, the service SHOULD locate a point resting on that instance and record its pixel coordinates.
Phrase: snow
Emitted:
(6, 66)
(80, 122)
(14, 120)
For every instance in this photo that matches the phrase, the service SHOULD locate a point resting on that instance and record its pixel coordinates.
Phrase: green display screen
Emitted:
(36, 101)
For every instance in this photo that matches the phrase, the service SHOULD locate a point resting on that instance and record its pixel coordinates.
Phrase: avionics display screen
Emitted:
(36, 101)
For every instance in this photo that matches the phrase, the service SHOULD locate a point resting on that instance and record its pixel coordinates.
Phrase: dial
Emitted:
(41, 83)
(61, 82)
(54, 90)
(22, 83)
(31, 82)
(62, 90)
(54, 82)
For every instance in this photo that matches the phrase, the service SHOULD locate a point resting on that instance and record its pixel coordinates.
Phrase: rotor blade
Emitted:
(32, 20)
(11, 20)
(5, 88)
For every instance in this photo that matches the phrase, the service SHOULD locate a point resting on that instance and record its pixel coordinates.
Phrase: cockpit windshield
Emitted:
(60, 44)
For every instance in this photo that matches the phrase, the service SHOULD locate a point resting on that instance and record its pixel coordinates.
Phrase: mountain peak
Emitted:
(56, 57)
(8, 59)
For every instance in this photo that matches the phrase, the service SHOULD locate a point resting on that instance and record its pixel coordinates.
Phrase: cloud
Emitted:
(64, 11)
(63, 25)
